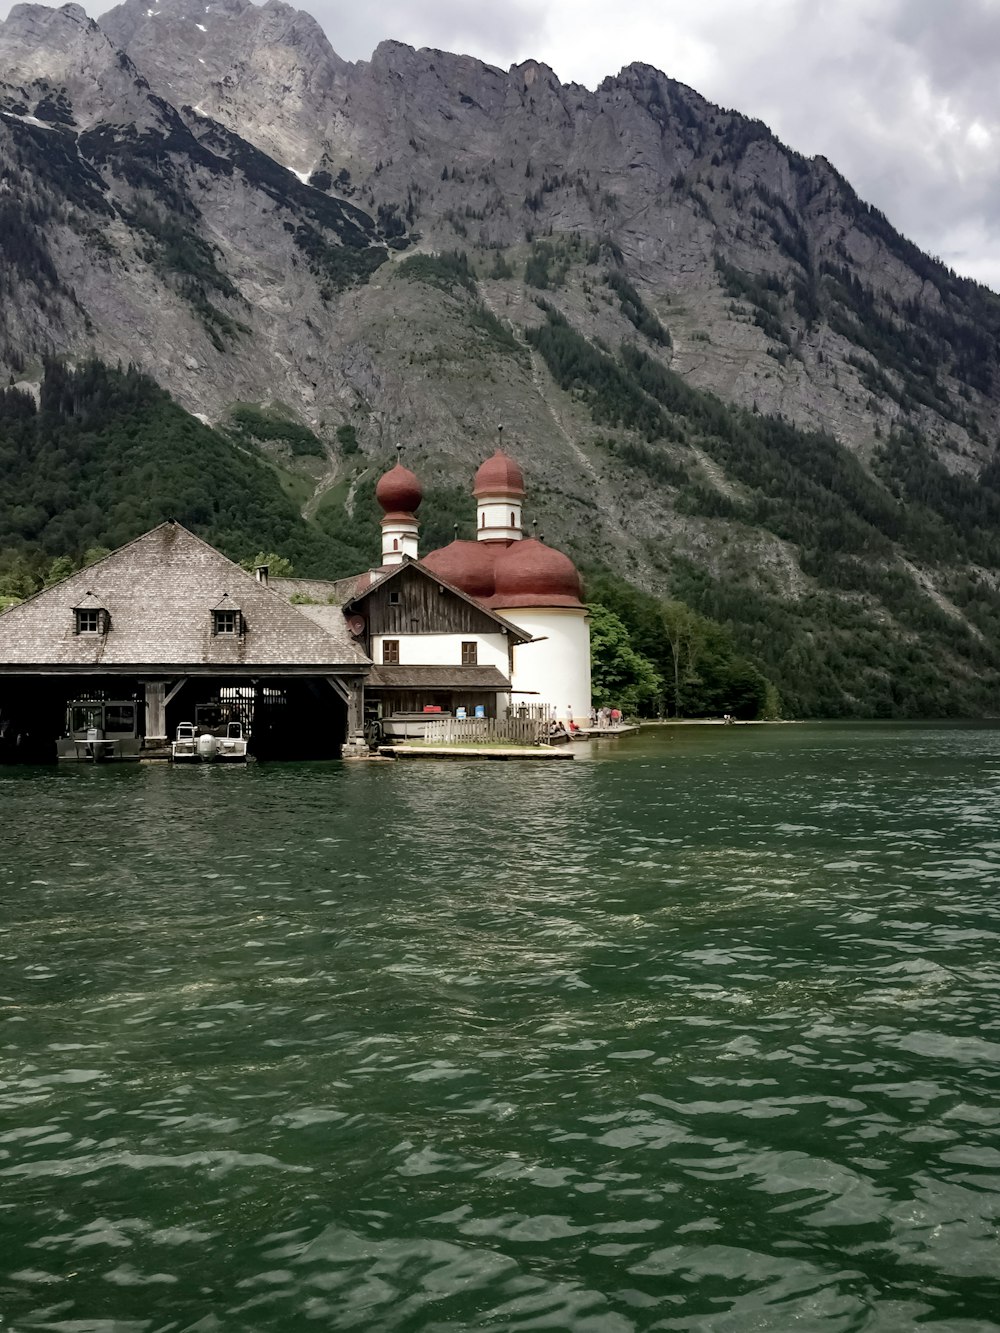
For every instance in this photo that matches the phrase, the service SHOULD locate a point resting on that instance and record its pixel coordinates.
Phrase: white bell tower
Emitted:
(399, 493)
(499, 492)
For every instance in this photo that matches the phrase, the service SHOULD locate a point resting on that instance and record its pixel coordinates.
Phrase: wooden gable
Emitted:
(414, 601)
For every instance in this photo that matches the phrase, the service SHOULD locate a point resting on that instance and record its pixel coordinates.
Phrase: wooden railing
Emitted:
(487, 730)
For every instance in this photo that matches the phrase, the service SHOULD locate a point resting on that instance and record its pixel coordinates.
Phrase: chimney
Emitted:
(260, 573)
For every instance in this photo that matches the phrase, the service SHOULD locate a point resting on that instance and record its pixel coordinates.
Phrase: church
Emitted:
(166, 629)
(486, 625)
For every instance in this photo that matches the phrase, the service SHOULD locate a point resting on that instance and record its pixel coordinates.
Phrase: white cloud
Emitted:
(899, 94)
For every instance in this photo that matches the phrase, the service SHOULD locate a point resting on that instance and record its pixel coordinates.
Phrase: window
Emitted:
(390, 652)
(82, 717)
(394, 599)
(120, 719)
(88, 622)
(225, 622)
(469, 653)
(513, 523)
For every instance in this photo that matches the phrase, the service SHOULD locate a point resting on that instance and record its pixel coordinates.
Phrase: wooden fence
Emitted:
(487, 730)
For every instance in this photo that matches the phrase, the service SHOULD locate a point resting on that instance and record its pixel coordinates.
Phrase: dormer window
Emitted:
(90, 617)
(227, 619)
(225, 622)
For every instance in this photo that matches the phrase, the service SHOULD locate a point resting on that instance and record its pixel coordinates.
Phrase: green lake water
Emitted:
(701, 1032)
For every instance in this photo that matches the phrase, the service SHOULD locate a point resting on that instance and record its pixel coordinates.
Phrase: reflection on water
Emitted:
(699, 1034)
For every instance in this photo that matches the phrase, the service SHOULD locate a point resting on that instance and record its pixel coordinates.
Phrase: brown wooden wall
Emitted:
(423, 609)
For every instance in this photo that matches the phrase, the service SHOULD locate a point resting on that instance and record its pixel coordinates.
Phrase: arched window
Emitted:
(512, 522)
(395, 543)
(482, 519)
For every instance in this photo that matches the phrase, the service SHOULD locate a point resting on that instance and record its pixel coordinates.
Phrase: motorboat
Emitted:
(98, 731)
(408, 726)
(184, 748)
(194, 745)
(232, 747)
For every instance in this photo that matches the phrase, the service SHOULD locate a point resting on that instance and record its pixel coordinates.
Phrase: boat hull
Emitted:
(115, 751)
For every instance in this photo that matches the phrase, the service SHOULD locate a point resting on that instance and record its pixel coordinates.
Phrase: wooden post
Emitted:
(356, 708)
(156, 712)
(352, 690)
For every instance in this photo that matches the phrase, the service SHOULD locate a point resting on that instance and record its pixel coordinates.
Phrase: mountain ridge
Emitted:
(419, 246)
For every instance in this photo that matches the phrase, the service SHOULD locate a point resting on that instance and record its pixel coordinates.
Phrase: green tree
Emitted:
(61, 568)
(685, 631)
(620, 676)
(277, 565)
(347, 438)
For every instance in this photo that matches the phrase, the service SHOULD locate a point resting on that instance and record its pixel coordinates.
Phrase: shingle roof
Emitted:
(333, 591)
(159, 591)
(330, 618)
(438, 677)
(88, 602)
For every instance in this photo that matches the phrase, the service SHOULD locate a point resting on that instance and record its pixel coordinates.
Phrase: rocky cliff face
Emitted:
(267, 72)
(210, 191)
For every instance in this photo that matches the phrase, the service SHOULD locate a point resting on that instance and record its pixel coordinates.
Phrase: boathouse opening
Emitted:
(44, 718)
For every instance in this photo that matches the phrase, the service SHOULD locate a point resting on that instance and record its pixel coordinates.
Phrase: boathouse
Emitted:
(166, 626)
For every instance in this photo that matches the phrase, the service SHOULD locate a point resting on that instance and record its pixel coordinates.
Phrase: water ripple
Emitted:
(700, 1034)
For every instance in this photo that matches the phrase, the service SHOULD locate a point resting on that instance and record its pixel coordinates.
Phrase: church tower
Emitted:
(399, 494)
(499, 492)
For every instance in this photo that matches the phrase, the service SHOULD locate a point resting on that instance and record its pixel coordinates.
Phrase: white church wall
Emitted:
(445, 649)
(555, 669)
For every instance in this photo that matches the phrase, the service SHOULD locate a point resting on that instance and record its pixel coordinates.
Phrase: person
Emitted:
(616, 716)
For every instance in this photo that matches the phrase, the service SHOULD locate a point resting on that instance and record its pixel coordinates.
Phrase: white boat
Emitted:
(193, 746)
(184, 748)
(408, 726)
(232, 747)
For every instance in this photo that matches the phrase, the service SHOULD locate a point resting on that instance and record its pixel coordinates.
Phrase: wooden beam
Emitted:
(173, 691)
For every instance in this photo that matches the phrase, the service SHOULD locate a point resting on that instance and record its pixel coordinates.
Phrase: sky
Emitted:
(903, 96)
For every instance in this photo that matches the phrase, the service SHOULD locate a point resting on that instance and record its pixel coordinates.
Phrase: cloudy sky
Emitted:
(903, 96)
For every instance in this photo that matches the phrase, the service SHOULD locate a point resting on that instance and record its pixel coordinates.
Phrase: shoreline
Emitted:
(720, 722)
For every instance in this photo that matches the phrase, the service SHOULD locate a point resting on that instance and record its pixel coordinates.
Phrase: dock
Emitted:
(496, 752)
(605, 733)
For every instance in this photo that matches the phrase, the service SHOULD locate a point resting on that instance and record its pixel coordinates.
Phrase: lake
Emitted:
(699, 1032)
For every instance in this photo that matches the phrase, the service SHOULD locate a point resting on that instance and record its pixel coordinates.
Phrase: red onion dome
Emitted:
(398, 491)
(529, 573)
(465, 565)
(499, 475)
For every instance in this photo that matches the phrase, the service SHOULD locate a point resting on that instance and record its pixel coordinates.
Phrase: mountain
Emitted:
(728, 378)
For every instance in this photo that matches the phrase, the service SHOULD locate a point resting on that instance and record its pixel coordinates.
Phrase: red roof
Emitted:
(529, 573)
(505, 574)
(398, 491)
(468, 565)
(499, 475)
